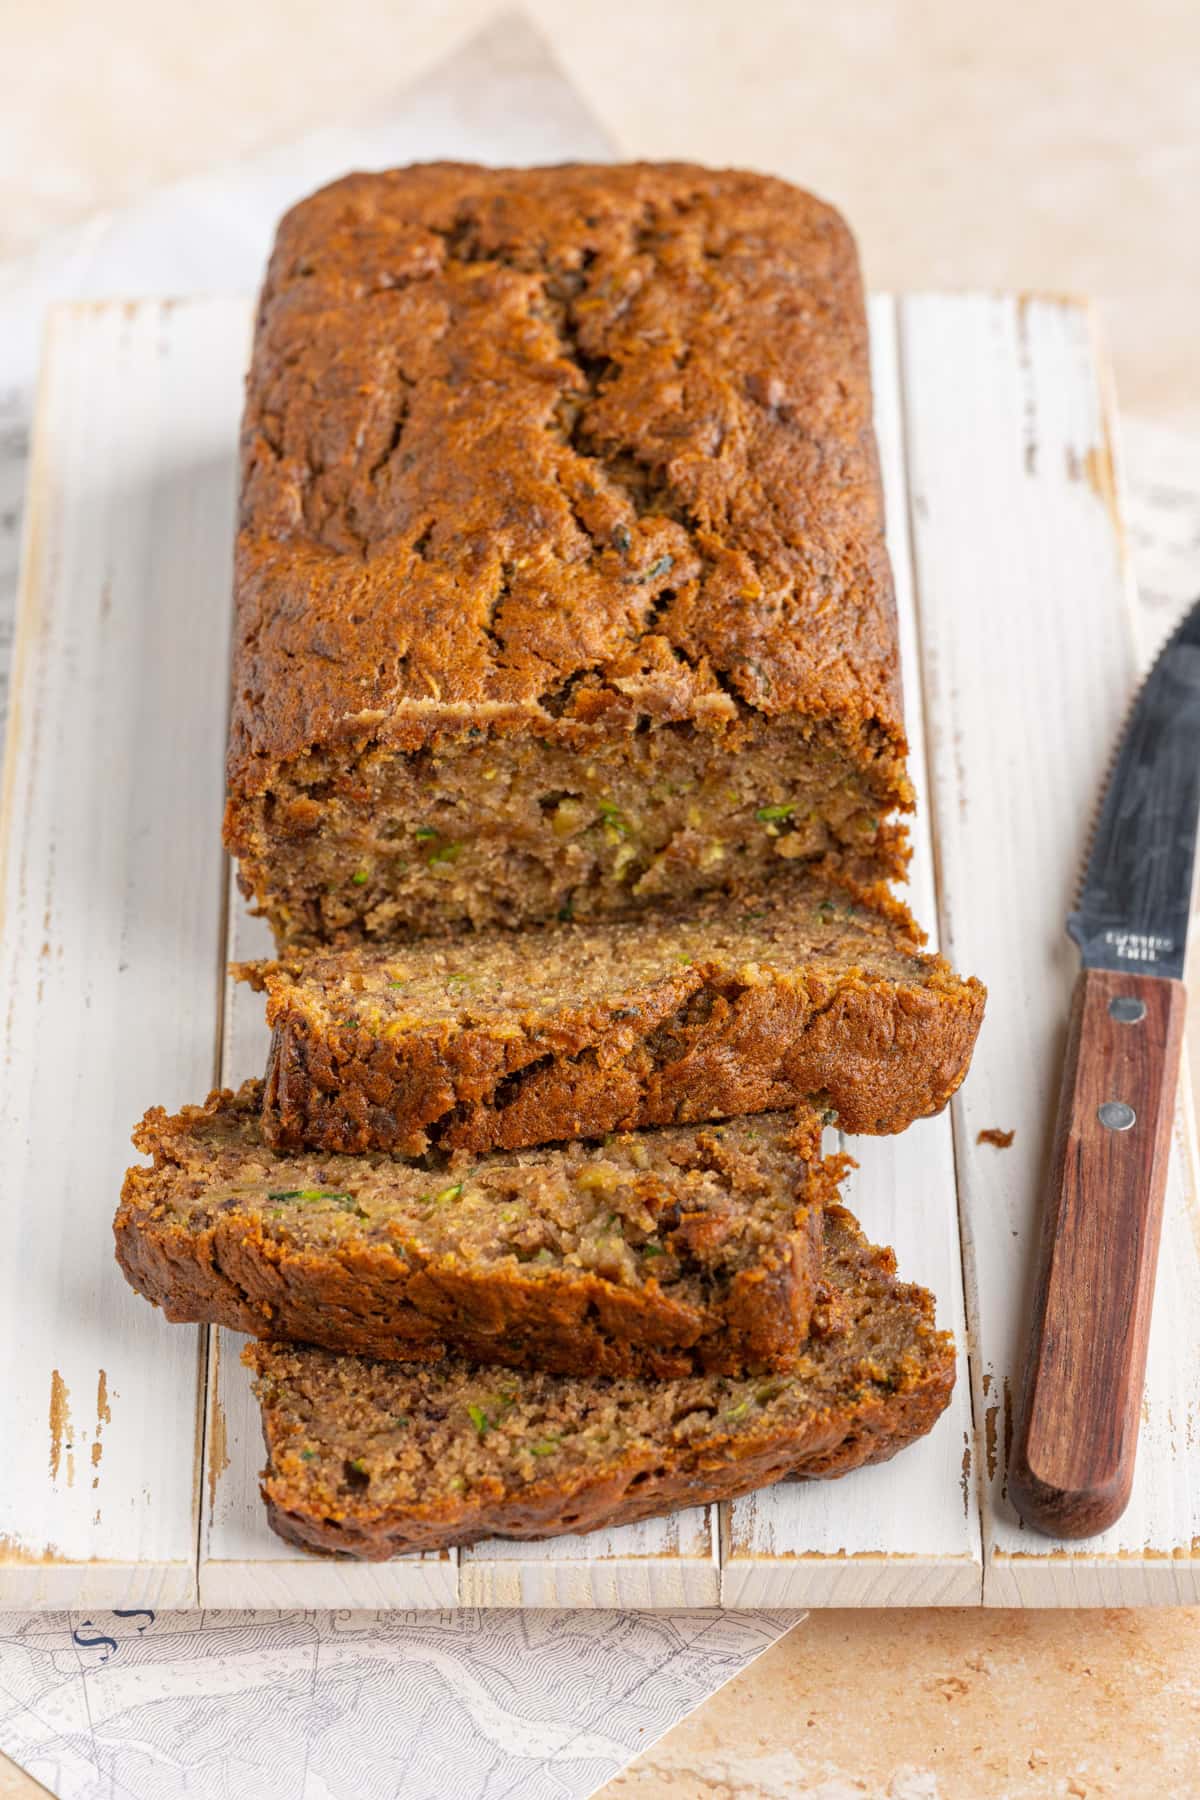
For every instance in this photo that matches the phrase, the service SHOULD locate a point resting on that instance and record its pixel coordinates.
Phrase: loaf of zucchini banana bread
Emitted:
(800, 993)
(658, 1253)
(561, 576)
(372, 1458)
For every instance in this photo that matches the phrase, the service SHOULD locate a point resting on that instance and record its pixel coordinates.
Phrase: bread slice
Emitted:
(804, 992)
(661, 1253)
(372, 1458)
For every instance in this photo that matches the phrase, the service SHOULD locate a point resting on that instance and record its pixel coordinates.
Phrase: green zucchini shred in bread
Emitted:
(562, 587)
(656, 1253)
(800, 992)
(370, 1459)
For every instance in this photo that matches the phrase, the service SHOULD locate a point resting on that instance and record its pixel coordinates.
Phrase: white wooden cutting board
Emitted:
(131, 1447)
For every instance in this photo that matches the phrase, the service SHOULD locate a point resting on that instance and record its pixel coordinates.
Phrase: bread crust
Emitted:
(387, 293)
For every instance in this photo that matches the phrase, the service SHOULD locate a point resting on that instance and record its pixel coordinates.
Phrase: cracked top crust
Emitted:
(558, 449)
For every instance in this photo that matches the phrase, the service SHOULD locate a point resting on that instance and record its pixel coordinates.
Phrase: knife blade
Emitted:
(1075, 1445)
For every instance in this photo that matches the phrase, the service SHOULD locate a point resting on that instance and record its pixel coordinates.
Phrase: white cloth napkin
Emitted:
(301, 1705)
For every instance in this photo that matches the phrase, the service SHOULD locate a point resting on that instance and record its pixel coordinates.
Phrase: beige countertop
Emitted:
(1030, 146)
(947, 1706)
(1039, 145)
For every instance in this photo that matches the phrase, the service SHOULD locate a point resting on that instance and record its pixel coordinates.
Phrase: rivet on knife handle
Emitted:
(1073, 1457)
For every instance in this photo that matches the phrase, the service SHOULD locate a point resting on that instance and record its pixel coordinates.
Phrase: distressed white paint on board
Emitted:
(906, 1533)
(1026, 619)
(111, 935)
(663, 1563)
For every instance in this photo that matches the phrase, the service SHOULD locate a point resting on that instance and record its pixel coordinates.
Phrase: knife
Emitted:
(1076, 1439)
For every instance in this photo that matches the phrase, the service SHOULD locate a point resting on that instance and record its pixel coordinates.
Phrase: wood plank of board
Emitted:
(111, 934)
(1028, 655)
(658, 1563)
(242, 1562)
(907, 1533)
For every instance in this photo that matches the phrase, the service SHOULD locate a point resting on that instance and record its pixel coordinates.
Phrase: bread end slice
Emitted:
(369, 1459)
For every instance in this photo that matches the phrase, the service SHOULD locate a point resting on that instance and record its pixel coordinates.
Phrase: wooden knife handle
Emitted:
(1072, 1467)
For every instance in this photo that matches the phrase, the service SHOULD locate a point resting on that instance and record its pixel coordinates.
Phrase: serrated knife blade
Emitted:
(1075, 1446)
(1136, 895)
